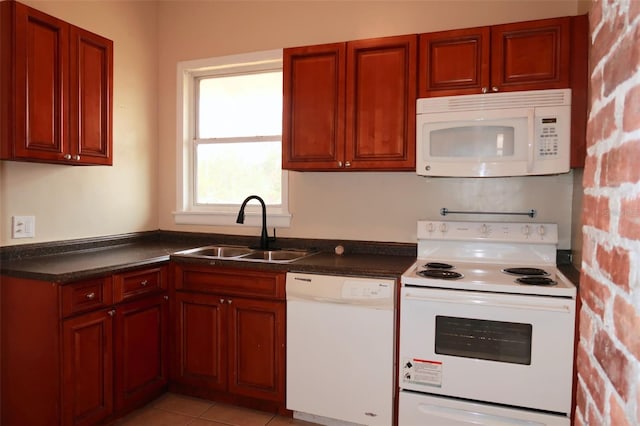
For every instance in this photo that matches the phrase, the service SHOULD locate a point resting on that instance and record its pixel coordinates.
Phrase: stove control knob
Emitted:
(484, 229)
(443, 228)
(430, 227)
(541, 230)
(526, 230)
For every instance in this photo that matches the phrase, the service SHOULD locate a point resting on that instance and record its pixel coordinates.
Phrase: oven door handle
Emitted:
(471, 417)
(541, 305)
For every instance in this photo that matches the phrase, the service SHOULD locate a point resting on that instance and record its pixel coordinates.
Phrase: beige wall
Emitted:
(138, 192)
(361, 206)
(76, 202)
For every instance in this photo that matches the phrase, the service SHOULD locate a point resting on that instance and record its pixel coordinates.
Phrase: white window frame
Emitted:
(187, 211)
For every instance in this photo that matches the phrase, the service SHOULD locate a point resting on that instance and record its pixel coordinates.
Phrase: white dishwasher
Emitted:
(340, 346)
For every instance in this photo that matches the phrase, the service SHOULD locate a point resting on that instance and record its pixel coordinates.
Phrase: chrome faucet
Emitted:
(264, 238)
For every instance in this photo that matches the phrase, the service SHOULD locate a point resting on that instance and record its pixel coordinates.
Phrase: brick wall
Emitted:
(608, 356)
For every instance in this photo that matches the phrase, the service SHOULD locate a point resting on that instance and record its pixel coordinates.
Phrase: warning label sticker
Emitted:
(422, 372)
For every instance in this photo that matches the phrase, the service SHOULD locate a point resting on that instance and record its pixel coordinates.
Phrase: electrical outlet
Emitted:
(23, 227)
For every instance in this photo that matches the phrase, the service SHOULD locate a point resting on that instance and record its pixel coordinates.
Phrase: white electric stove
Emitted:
(487, 323)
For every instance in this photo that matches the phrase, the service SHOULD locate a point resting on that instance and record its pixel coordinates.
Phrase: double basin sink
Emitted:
(242, 253)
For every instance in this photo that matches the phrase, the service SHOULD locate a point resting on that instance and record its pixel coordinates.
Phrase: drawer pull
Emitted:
(144, 283)
(90, 296)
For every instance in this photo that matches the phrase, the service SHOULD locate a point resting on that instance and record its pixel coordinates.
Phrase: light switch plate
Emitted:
(23, 227)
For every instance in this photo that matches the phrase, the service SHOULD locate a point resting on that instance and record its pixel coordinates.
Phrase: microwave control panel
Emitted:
(547, 137)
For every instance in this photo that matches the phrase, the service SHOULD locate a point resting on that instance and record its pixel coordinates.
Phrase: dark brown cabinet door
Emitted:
(380, 103)
(87, 370)
(90, 99)
(531, 55)
(140, 351)
(257, 348)
(200, 336)
(454, 62)
(41, 65)
(56, 90)
(313, 107)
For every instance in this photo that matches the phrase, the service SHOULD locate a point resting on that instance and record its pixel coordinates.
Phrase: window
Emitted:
(229, 139)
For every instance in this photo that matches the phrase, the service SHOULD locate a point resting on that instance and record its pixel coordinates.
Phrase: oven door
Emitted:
(501, 348)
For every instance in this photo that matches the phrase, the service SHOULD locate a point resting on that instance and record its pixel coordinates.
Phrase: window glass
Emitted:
(228, 172)
(230, 139)
(240, 105)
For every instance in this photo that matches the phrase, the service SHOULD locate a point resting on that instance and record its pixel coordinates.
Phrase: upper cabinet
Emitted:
(350, 106)
(528, 55)
(56, 85)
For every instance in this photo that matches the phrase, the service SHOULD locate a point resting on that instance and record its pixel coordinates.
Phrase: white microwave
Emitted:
(494, 134)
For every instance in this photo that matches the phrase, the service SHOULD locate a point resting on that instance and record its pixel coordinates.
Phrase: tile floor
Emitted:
(178, 410)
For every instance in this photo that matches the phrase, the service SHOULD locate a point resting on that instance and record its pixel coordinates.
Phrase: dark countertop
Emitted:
(75, 260)
(88, 263)
(67, 262)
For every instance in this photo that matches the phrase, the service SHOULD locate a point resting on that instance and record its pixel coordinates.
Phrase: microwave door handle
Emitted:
(531, 129)
(471, 417)
(479, 301)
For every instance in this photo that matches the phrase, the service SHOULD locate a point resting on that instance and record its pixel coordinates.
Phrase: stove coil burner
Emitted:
(438, 265)
(536, 281)
(526, 271)
(440, 273)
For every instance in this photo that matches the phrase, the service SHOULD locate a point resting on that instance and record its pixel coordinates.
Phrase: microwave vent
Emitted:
(488, 101)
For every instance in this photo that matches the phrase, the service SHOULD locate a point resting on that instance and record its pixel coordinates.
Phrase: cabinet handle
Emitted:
(485, 90)
(67, 156)
(339, 163)
(111, 312)
(76, 157)
(347, 164)
(90, 296)
(494, 88)
(144, 283)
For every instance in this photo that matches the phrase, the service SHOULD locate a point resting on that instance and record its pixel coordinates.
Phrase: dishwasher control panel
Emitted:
(366, 289)
(362, 291)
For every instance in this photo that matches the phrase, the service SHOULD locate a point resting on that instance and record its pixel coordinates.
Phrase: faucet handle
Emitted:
(274, 235)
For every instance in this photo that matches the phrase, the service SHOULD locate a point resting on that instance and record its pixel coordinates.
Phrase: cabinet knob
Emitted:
(144, 283)
(485, 90)
(67, 156)
(76, 157)
(494, 88)
(347, 164)
(221, 300)
(229, 301)
(90, 296)
(166, 297)
(111, 312)
(339, 163)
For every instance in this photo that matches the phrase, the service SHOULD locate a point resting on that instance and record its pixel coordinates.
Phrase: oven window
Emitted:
(482, 339)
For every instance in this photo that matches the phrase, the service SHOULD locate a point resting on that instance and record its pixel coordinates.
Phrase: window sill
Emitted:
(274, 220)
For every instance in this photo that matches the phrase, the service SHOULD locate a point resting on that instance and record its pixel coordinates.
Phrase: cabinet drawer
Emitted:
(135, 283)
(86, 296)
(232, 282)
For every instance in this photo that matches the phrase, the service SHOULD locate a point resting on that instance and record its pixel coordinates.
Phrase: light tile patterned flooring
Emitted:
(178, 410)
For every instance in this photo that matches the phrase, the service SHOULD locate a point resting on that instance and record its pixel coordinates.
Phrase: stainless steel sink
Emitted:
(217, 251)
(245, 254)
(277, 255)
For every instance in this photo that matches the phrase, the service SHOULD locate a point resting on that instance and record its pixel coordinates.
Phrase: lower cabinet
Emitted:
(84, 352)
(87, 368)
(230, 335)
